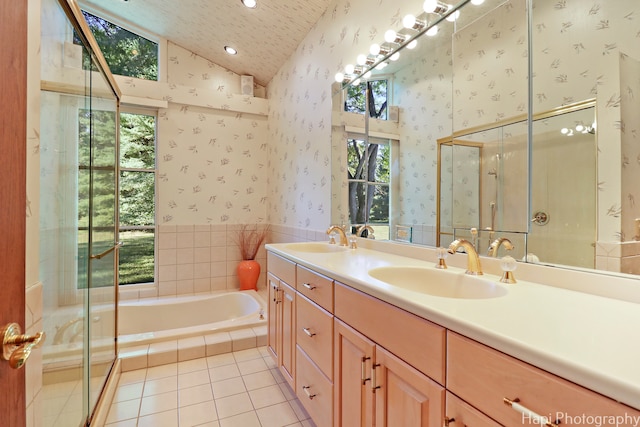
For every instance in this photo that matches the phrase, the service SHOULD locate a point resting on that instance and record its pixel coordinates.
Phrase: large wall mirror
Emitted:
(478, 149)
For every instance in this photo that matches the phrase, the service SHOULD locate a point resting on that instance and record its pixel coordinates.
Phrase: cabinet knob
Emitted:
(309, 286)
(448, 421)
(308, 332)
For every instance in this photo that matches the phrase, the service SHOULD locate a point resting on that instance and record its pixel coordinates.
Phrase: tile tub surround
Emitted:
(237, 389)
(180, 350)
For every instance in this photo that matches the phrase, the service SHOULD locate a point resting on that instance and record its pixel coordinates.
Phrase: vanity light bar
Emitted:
(378, 54)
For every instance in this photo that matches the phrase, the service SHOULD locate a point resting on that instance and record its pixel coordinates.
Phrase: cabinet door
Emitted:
(404, 396)
(273, 318)
(353, 394)
(288, 349)
(461, 414)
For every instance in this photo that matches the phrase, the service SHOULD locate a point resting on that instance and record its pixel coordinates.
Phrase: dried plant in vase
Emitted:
(250, 240)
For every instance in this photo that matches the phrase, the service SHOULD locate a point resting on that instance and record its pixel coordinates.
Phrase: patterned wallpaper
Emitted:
(490, 67)
(300, 107)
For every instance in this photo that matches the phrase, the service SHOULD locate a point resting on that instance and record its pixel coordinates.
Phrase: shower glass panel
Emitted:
(78, 187)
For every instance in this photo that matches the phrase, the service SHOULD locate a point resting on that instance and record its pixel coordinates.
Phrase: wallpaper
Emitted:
(490, 67)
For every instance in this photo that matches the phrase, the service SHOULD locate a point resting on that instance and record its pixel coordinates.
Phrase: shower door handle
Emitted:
(107, 252)
(16, 348)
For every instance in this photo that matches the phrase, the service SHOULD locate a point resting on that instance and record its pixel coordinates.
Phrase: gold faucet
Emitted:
(341, 232)
(495, 245)
(473, 261)
(361, 230)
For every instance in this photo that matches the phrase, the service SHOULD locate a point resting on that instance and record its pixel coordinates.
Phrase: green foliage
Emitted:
(136, 257)
(368, 174)
(127, 54)
(356, 98)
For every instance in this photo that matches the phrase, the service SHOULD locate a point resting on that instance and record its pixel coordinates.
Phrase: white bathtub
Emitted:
(143, 322)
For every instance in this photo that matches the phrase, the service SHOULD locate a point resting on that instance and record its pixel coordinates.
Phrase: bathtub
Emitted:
(162, 319)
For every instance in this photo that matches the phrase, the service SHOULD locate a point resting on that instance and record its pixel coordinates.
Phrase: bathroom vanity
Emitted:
(361, 348)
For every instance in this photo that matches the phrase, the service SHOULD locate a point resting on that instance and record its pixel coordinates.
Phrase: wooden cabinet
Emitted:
(353, 391)
(282, 315)
(314, 390)
(458, 413)
(484, 377)
(314, 334)
(374, 387)
(404, 396)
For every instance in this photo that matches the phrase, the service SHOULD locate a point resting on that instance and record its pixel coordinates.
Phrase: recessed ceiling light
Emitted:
(230, 50)
(250, 3)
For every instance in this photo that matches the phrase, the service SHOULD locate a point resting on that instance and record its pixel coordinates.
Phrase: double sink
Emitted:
(425, 280)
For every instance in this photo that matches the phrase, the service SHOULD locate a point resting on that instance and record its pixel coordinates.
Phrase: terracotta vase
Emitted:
(248, 273)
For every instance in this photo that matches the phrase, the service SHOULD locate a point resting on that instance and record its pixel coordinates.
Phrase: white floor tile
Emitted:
(277, 415)
(266, 396)
(159, 403)
(252, 366)
(160, 419)
(228, 387)
(205, 392)
(198, 414)
(224, 372)
(248, 419)
(233, 405)
(193, 379)
(192, 395)
(123, 411)
(258, 380)
(161, 385)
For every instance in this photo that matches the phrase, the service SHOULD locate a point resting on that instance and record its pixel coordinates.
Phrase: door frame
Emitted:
(13, 146)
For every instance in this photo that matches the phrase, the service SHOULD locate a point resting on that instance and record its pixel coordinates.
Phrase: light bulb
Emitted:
(395, 56)
(477, 2)
(390, 36)
(339, 77)
(455, 15)
(579, 128)
(381, 66)
(432, 31)
(362, 59)
(409, 21)
(367, 75)
(349, 69)
(564, 131)
(412, 44)
(230, 50)
(356, 82)
(430, 6)
(250, 3)
(374, 49)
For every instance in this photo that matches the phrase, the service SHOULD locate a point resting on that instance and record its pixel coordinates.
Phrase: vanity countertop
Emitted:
(588, 339)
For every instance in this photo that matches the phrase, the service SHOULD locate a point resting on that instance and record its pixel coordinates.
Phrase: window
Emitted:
(126, 53)
(368, 177)
(378, 99)
(137, 197)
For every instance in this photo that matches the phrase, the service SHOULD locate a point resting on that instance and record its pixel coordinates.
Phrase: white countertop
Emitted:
(591, 340)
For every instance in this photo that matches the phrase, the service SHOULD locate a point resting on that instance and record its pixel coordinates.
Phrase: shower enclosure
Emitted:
(78, 259)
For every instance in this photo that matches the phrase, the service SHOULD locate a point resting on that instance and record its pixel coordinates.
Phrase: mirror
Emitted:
(474, 74)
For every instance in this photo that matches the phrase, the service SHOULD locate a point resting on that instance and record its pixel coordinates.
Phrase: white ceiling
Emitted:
(265, 37)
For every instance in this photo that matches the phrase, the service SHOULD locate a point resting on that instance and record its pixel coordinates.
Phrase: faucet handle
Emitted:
(442, 255)
(508, 265)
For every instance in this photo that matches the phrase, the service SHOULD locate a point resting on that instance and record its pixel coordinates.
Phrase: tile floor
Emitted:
(238, 389)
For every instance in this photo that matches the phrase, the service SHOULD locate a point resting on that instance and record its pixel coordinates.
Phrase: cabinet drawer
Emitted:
(284, 269)
(314, 334)
(413, 339)
(316, 287)
(483, 377)
(314, 390)
(461, 413)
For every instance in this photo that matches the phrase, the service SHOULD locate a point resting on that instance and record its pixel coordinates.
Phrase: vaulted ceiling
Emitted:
(264, 37)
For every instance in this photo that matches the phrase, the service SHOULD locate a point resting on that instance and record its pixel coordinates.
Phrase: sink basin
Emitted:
(438, 282)
(317, 247)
